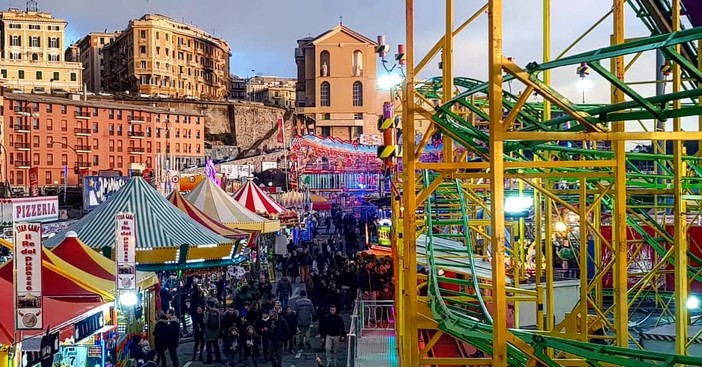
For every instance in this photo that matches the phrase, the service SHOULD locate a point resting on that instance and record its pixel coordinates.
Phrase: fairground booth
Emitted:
(167, 239)
(74, 308)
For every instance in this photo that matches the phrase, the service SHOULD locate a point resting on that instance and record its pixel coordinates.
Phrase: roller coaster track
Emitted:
(471, 321)
(446, 209)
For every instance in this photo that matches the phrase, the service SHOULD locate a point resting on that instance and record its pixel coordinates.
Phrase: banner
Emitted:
(268, 165)
(125, 251)
(28, 282)
(34, 181)
(97, 189)
(281, 131)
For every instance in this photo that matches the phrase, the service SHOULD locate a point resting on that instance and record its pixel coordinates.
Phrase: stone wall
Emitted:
(253, 125)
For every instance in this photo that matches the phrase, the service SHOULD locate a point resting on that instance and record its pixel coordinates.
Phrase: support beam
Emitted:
(497, 189)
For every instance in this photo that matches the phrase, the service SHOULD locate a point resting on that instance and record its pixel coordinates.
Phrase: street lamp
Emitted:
(584, 84)
(52, 142)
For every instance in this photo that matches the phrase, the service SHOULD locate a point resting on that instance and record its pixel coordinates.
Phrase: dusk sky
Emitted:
(263, 33)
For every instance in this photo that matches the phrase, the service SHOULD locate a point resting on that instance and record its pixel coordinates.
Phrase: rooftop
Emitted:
(100, 104)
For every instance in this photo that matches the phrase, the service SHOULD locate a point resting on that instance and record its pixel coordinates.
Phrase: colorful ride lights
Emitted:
(560, 227)
(692, 303)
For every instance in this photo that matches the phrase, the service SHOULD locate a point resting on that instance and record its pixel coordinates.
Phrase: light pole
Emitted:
(52, 142)
(4, 171)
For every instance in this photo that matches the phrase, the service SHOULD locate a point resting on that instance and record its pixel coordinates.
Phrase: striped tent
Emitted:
(217, 204)
(180, 202)
(161, 229)
(256, 200)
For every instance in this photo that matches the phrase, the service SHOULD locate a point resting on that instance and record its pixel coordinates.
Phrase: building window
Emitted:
(15, 56)
(357, 131)
(143, 64)
(35, 57)
(357, 94)
(56, 76)
(357, 63)
(64, 159)
(326, 131)
(34, 41)
(325, 64)
(95, 127)
(64, 109)
(15, 26)
(64, 125)
(3, 72)
(96, 160)
(20, 74)
(35, 27)
(142, 34)
(39, 75)
(54, 58)
(142, 50)
(50, 159)
(325, 95)
(53, 42)
(15, 40)
(47, 174)
(358, 116)
(49, 124)
(74, 77)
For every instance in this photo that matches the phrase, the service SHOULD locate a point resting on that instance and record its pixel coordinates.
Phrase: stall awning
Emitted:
(180, 202)
(217, 204)
(56, 312)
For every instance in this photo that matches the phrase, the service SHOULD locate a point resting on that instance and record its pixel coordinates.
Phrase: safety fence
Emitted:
(368, 317)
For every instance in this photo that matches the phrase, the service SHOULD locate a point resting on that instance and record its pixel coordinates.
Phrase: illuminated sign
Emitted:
(384, 233)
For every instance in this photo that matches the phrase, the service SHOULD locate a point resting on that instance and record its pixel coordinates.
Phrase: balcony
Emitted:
(83, 148)
(22, 164)
(83, 165)
(136, 119)
(22, 146)
(82, 132)
(85, 115)
(136, 150)
(23, 128)
(136, 134)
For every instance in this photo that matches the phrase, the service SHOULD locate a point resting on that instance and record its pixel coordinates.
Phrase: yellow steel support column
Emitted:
(410, 343)
(447, 73)
(547, 116)
(497, 188)
(679, 215)
(621, 313)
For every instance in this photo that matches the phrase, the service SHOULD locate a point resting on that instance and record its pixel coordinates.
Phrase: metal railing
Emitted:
(368, 315)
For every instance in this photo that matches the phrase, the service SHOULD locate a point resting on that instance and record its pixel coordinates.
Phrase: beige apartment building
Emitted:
(158, 56)
(31, 55)
(272, 90)
(88, 51)
(336, 84)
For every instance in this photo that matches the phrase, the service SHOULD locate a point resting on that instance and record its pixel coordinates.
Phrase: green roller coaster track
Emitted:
(470, 321)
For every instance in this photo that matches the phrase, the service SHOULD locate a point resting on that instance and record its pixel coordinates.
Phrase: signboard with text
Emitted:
(268, 165)
(125, 251)
(97, 189)
(28, 282)
(36, 209)
(34, 181)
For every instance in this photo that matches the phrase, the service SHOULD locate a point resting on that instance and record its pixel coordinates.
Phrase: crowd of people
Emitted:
(260, 321)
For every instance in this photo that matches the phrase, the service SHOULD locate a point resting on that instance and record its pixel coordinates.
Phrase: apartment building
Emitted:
(88, 51)
(31, 52)
(237, 87)
(158, 56)
(275, 91)
(336, 84)
(51, 133)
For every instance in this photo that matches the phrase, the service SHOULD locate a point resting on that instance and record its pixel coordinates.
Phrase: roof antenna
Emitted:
(341, 20)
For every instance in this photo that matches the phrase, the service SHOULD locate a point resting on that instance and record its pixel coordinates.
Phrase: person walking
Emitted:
(334, 332)
(304, 308)
(162, 331)
(198, 332)
(283, 290)
(279, 333)
(263, 328)
(291, 319)
(250, 345)
(212, 331)
(173, 338)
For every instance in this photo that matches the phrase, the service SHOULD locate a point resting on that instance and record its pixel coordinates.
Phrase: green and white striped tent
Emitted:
(160, 225)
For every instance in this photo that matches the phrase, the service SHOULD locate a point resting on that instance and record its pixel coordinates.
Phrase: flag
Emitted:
(281, 131)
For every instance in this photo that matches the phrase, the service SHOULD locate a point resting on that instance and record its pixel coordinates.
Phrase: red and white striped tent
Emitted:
(254, 199)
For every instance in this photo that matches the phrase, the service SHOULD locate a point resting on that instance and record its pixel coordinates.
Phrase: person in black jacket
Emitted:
(279, 333)
(173, 337)
(198, 331)
(162, 334)
(250, 344)
(263, 328)
(334, 332)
